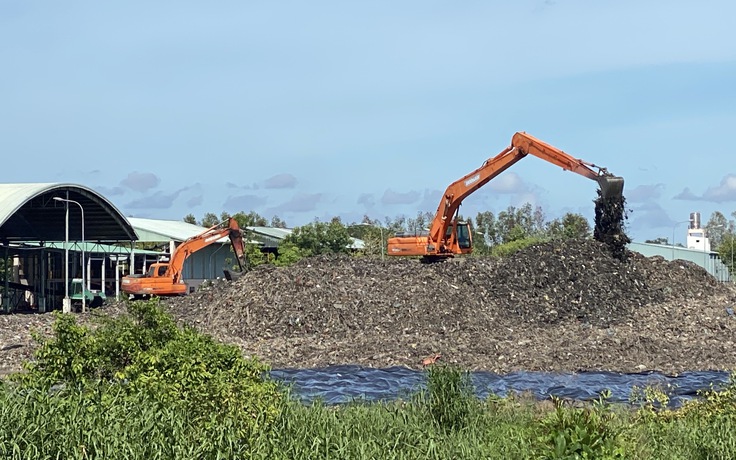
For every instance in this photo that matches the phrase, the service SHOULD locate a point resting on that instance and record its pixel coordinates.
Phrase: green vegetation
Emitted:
(506, 249)
(726, 251)
(321, 238)
(498, 235)
(139, 386)
(130, 381)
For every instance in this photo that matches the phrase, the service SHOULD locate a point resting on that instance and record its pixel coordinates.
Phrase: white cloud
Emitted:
(723, 192)
(140, 182)
(280, 181)
(509, 183)
(391, 197)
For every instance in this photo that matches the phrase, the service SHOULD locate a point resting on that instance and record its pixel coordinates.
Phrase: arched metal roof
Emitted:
(28, 212)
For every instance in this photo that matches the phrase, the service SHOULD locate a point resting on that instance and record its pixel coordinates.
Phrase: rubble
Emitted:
(564, 305)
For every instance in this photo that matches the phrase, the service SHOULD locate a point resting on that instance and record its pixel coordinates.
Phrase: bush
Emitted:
(145, 353)
(289, 254)
(702, 428)
(583, 432)
(506, 249)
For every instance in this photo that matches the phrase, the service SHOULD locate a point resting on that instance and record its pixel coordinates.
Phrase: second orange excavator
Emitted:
(164, 279)
(448, 236)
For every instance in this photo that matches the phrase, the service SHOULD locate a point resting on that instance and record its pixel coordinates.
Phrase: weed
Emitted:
(588, 432)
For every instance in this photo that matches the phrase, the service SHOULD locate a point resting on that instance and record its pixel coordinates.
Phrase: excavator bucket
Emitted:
(232, 275)
(611, 186)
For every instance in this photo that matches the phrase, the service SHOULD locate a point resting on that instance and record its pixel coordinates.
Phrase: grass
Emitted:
(141, 388)
(105, 421)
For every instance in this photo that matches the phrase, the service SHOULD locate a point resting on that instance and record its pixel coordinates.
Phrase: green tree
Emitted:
(716, 228)
(487, 228)
(289, 253)
(370, 233)
(251, 219)
(571, 225)
(516, 233)
(190, 219)
(517, 223)
(321, 238)
(726, 252)
(209, 220)
(660, 240)
(276, 222)
(420, 223)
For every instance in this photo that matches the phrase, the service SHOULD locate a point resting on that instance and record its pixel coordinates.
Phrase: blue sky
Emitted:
(315, 109)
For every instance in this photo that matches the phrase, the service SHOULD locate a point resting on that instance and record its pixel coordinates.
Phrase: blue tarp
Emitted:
(342, 384)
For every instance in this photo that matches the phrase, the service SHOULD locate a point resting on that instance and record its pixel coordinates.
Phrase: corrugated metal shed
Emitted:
(269, 237)
(709, 260)
(28, 212)
(158, 230)
(88, 247)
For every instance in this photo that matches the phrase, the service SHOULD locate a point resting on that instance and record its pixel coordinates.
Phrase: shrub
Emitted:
(449, 396)
(582, 432)
(145, 352)
(506, 249)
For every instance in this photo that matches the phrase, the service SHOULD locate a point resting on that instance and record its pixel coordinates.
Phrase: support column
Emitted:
(42, 282)
(103, 269)
(88, 281)
(117, 277)
(6, 296)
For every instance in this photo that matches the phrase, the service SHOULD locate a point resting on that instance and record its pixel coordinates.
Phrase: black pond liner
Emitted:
(344, 384)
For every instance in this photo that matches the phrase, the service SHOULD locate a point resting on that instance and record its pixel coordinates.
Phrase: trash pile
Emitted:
(561, 305)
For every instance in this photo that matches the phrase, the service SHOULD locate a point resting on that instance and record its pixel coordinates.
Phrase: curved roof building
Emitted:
(37, 212)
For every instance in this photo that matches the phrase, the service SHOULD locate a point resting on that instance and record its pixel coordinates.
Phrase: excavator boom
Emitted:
(447, 236)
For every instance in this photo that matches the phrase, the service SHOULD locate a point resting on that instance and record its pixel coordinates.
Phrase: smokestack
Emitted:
(694, 220)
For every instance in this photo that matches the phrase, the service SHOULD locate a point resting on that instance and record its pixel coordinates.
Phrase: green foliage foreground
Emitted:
(139, 386)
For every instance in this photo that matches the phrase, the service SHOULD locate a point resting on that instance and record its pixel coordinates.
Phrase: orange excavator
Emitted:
(448, 236)
(164, 279)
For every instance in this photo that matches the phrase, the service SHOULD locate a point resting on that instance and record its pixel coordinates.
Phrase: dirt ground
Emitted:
(558, 306)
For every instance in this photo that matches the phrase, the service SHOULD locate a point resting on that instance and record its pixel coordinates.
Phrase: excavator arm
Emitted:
(164, 279)
(446, 236)
(229, 228)
(610, 185)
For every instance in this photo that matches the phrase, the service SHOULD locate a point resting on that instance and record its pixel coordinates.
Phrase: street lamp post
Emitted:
(365, 224)
(731, 267)
(383, 250)
(84, 278)
(673, 235)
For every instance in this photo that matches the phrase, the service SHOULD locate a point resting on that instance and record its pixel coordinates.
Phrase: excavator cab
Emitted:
(458, 238)
(464, 241)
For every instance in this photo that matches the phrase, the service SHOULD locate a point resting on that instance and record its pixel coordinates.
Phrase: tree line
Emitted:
(493, 233)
